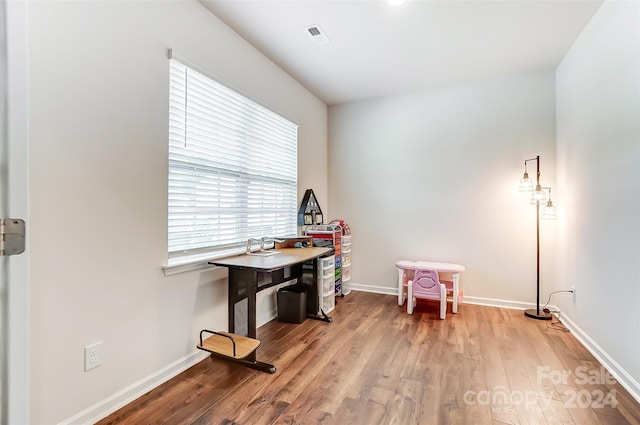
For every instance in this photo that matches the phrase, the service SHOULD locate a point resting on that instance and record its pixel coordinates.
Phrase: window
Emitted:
(232, 168)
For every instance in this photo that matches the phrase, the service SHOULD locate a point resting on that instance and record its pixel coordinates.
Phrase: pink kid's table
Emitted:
(406, 269)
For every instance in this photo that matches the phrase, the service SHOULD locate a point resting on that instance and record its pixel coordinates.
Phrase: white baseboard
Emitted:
(621, 375)
(375, 289)
(495, 302)
(123, 397)
(266, 317)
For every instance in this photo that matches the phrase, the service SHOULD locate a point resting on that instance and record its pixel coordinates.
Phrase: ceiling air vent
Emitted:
(317, 35)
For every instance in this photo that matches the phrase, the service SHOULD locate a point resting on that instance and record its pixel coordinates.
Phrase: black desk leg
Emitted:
(323, 317)
(242, 293)
(253, 364)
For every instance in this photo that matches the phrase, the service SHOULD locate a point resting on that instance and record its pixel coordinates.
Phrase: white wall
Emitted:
(98, 110)
(434, 176)
(598, 151)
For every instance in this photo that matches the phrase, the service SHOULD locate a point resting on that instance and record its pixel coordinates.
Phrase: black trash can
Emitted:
(292, 304)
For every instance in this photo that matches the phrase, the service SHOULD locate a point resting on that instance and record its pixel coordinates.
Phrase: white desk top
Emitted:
(286, 257)
(429, 265)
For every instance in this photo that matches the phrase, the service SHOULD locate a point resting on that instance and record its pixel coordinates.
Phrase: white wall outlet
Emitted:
(573, 294)
(92, 356)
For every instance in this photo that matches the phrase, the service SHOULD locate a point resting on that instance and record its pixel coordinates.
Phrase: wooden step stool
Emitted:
(227, 344)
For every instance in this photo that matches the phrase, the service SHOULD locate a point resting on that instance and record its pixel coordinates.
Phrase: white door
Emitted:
(3, 260)
(13, 204)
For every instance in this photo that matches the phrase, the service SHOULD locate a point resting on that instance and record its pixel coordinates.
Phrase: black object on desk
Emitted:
(249, 274)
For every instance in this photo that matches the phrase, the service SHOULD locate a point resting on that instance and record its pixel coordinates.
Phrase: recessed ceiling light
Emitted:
(396, 2)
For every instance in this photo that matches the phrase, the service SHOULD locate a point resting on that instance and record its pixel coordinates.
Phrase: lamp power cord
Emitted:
(557, 325)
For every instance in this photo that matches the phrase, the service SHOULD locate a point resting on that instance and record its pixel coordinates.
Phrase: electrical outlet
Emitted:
(92, 356)
(573, 294)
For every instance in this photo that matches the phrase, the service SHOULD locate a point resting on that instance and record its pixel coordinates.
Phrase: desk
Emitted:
(249, 274)
(404, 267)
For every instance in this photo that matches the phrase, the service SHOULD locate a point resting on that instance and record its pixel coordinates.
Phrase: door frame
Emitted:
(16, 186)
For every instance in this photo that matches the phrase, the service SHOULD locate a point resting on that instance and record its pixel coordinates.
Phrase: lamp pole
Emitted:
(537, 314)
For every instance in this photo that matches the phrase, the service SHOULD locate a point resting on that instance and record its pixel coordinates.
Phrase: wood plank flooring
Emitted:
(377, 365)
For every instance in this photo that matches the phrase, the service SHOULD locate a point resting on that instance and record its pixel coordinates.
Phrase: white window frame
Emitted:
(232, 169)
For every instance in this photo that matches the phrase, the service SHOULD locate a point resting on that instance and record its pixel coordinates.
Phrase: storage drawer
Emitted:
(346, 272)
(326, 266)
(328, 285)
(327, 273)
(346, 287)
(328, 303)
(328, 262)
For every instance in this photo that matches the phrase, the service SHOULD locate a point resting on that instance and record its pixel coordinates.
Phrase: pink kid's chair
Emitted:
(426, 285)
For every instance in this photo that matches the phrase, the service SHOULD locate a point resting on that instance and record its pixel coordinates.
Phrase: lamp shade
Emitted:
(549, 212)
(526, 184)
(539, 196)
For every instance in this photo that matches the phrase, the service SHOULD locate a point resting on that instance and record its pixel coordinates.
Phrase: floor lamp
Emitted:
(538, 197)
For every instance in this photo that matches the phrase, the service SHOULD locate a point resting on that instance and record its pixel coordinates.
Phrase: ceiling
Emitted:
(377, 50)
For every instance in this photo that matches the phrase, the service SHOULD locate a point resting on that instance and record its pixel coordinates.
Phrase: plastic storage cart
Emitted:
(346, 256)
(326, 283)
(329, 235)
(346, 264)
(320, 283)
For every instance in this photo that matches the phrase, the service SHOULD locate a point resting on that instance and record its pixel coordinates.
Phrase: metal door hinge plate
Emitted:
(11, 236)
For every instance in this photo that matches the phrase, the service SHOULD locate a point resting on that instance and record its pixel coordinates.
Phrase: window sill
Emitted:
(196, 262)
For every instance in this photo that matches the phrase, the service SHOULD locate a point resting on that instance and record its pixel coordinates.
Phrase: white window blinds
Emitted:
(232, 167)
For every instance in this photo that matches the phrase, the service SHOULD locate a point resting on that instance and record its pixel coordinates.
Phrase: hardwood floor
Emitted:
(377, 365)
